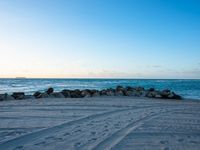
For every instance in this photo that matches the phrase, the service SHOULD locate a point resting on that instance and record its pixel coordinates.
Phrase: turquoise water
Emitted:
(186, 88)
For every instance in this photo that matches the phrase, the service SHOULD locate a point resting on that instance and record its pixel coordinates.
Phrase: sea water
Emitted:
(186, 88)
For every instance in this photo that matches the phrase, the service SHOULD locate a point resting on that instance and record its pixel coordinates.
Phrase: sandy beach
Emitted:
(117, 123)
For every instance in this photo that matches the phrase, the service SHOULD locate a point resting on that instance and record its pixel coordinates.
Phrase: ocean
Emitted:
(186, 88)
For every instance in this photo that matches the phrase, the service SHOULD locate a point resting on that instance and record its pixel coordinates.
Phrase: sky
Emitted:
(100, 39)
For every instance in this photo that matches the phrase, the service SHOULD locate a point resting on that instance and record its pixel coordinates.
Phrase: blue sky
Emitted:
(100, 38)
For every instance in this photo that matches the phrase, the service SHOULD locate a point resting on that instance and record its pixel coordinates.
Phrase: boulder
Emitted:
(174, 96)
(110, 92)
(96, 94)
(119, 93)
(66, 93)
(18, 95)
(139, 88)
(129, 88)
(151, 89)
(37, 94)
(151, 94)
(165, 93)
(120, 88)
(137, 93)
(49, 90)
(44, 95)
(6, 97)
(103, 93)
(86, 93)
(128, 93)
(76, 93)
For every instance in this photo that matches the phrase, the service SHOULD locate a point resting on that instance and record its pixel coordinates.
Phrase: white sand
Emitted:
(99, 123)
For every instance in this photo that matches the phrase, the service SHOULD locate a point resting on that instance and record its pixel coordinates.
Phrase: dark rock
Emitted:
(129, 88)
(95, 93)
(76, 94)
(44, 95)
(120, 88)
(66, 93)
(18, 95)
(37, 94)
(119, 93)
(151, 94)
(110, 92)
(174, 96)
(6, 97)
(103, 92)
(128, 93)
(165, 93)
(151, 89)
(139, 88)
(86, 93)
(50, 90)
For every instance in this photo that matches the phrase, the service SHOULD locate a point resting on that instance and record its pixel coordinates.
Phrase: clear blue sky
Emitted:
(100, 38)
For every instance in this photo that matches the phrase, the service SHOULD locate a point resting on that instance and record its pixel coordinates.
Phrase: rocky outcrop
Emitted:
(18, 95)
(5, 96)
(50, 90)
(118, 91)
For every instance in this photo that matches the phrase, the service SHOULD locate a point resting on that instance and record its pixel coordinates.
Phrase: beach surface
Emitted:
(117, 123)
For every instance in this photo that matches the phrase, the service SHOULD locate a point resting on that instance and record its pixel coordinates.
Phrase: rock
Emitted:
(103, 93)
(44, 95)
(174, 96)
(128, 93)
(129, 88)
(86, 93)
(151, 89)
(137, 93)
(96, 93)
(50, 90)
(57, 95)
(76, 93)
(18, 95)
(37, 94)
(119, 93)
(139, 88)
(151, 94)
(120, 88)
(66, 93)
(110, 92)
(5, 96)
(9, 97)
(165, 93)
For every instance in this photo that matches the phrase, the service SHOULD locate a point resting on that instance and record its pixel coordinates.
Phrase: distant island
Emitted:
(20, 77)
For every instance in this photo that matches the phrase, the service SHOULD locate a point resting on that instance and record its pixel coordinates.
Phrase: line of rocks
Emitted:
(118, 91)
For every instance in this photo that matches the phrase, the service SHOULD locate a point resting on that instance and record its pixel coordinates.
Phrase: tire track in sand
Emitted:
(31, 137)
(118, 136)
